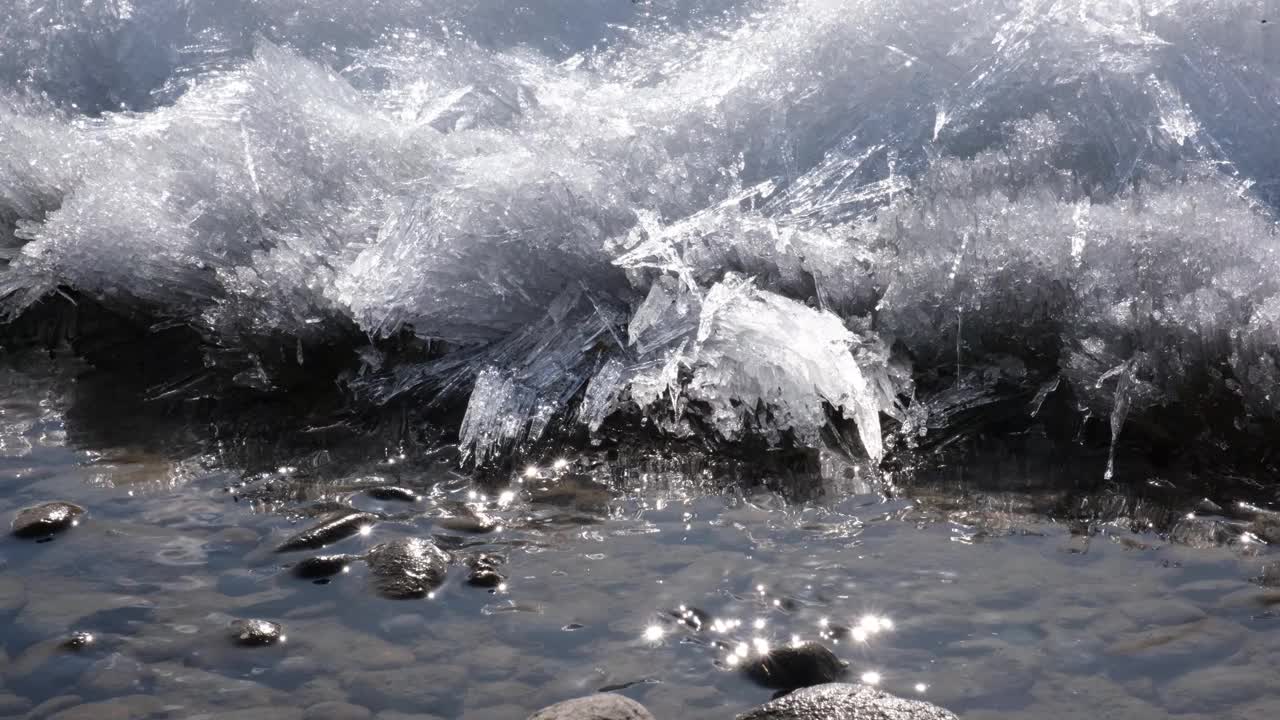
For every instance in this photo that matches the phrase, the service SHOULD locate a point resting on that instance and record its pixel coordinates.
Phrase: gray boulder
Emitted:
(47, 519)
(603, 706)
(843, 701)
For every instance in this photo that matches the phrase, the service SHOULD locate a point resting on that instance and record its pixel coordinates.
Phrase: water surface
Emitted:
(955, 585)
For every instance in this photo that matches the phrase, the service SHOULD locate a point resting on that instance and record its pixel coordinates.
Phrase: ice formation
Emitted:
(735, 219)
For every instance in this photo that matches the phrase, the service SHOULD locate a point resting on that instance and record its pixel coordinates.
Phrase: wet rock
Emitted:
(394, 715)
(603, 706)
(485, 578)
(787, 668)
(484, 571)
(130, 707)
(256, 633)
(391, 492)
(78, 640)
(334, 527)
(47, 519)
(691, 617)
(336, 711)
(840, 701)
(323, 566)
(475, 522)
(405, 569)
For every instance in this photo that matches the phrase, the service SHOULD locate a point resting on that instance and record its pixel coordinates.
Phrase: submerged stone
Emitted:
(691, 617)
(471, 522)
(256, 633)
(484, 577)
(787, 667)
(602, 706)
(46, 519)
(484, 570)
(78, 640)
(841, 701)
(404, 569)
(391, 492)
(335, 527)
(323, 566)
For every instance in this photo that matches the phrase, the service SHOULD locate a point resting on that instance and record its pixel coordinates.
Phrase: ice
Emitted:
(738, 221)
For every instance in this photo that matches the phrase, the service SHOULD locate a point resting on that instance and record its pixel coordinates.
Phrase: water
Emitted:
(959, 587)
(952, 325)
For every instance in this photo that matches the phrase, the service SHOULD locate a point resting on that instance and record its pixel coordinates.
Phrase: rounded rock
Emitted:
(391, 492)
(256, 633)
(78, 640)
(841, 701)
(331, 529)
(406, 569)
(485, 578)
(791, 667)
(602, 706)
(476, 523)
(47, 519)
(323, 566)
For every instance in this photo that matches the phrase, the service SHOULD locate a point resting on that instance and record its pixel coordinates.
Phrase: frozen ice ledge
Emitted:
(866, 225)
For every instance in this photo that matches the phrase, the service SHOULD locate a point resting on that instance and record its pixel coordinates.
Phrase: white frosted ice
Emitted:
(736, 219)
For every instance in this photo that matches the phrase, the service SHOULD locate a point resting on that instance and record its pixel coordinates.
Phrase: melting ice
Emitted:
(732, 219)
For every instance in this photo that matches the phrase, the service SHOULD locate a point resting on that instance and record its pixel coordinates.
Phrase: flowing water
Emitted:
(959, 588)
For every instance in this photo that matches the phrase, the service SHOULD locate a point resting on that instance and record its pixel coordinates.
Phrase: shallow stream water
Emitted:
(975, 600)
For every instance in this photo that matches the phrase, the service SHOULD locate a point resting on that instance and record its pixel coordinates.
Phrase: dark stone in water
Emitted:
(787, 667)
(840, 701)
(404, 569)
(836, 632)
(78, 640)
(691, 617)
(256, 633)
(389, 492)
(601, 706)
(483, 577)
(323, 566)
(333, 528)
(484, 570)
(475, 522)
(47, 519)
(488, 561)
